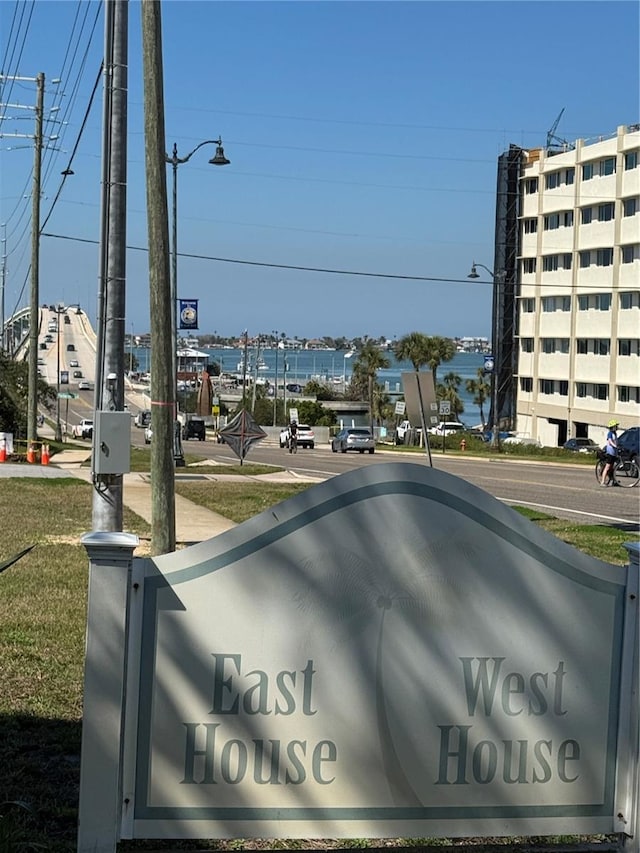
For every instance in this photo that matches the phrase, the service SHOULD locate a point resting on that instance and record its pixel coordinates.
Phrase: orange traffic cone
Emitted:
(31, 454)
(3, 451)
(44, 456)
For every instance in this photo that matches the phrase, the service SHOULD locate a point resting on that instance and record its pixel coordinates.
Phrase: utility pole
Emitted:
(32, 393)
(107, 496)
(3, 339)
(163, 383)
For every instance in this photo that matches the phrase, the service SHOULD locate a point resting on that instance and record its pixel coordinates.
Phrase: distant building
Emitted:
(567, 265)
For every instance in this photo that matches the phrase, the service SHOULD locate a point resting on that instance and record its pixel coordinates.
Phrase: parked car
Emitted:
(447, 428)
(142, 419)
(74, 363)
(77, 374)
(353, 438)
(629, 443)
(522, 439)
(404, 430)
(194, 428)
(85, 385)
(71, 348)
(83, 430)
(67, 319)
(581, 445)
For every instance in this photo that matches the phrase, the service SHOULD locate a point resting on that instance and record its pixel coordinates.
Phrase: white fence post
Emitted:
(110, 556)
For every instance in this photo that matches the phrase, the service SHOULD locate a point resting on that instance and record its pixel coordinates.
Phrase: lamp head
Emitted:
(474, 272)
(67, 172)
(219, 159)
(112, 378)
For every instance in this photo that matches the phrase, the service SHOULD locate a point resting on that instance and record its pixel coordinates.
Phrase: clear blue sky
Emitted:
(363, 136)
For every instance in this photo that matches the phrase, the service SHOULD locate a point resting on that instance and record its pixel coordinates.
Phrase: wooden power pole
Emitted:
(163, 386)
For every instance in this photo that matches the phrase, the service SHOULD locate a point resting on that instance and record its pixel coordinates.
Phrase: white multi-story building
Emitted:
(578, 300)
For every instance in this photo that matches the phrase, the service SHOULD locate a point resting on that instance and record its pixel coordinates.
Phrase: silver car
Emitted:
(353, 438)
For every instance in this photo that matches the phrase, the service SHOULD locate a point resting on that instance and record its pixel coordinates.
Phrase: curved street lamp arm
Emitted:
(175, 160)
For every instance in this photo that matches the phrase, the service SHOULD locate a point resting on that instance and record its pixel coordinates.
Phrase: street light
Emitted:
(217, 160)
(344, 369)
(498, 279)
(58, 435)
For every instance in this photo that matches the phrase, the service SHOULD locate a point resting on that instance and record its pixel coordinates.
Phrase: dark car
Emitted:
(629, 443)
(353, 438)
(194, 428)
(581, 445)
(71, 348)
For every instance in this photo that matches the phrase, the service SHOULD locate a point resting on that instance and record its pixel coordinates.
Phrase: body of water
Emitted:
(330, 366)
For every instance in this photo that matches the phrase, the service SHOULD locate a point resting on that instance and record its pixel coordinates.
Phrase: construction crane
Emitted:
(554, 141)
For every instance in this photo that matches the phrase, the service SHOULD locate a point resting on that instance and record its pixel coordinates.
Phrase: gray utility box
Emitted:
(111, 442)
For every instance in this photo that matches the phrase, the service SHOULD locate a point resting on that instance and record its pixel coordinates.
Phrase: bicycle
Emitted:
(625, 472)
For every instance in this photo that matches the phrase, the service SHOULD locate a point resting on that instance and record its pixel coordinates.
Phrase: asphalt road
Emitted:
(565, 491)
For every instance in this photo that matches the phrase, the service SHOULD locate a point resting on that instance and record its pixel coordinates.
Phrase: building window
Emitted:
(586, 215)
(531, 186)
(601, 346)
(528, 265)
(629, 299)
(631, 160)
(550, 263)
(563, 345)
(604, 257)
(628, 394)
(531, 225)
(563, 387)
(526, 384)
(567, 218)
(585, 259)
(629, 206)
(566, 263)
(548, 345)
(548, 304)
(601, 392)
(565, 301)
(546, 386)
(528, 305)
(602, 301)
(606, 212)
(630, 253)
(571, 174)
(582, 346)
(628, 346)
(526, 344)
(583, 302)
(581, 389)
(553, 180)
(587, 171)
(551, 222)
(608, 166)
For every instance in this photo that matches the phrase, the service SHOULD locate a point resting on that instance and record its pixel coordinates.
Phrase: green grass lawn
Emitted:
(42, 632)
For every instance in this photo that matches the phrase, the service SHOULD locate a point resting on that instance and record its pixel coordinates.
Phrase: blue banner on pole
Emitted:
(188, 314)
(489, 364)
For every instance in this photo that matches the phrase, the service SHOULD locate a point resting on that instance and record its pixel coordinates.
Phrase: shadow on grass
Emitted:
(40, 760)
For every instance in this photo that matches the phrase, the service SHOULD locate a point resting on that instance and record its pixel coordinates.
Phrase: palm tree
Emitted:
(439, 350)
(368, 361)
(413, 347)
(481, 390)
(449, 391)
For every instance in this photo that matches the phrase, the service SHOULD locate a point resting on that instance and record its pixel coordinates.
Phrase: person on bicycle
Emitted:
(611, 450)
(293, 436)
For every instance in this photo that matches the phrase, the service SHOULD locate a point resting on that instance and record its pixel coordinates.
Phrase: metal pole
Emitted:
(495, 426)
(178, 455)
(3, 335)
(275, 390)
(107, 495)
(32, 400)
(58, 424)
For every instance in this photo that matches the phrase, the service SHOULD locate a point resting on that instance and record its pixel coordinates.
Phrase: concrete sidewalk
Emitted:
(194, 523)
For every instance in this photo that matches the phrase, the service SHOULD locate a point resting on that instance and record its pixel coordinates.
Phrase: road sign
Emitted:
(400, 407)
(63, 395)
(445, 407)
